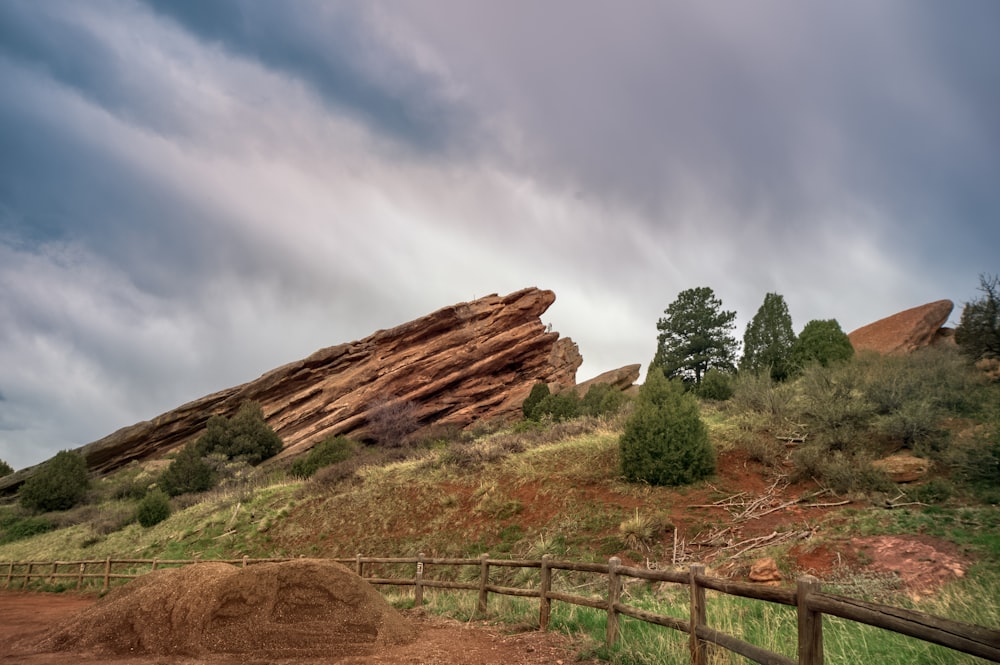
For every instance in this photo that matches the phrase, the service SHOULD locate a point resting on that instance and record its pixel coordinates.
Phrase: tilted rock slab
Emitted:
(905, 331)
(467, 362)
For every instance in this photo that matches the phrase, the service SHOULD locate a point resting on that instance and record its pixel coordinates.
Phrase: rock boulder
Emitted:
(906, 331)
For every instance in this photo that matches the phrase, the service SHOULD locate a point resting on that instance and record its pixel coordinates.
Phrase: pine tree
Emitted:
(695, 336)
(768, 340)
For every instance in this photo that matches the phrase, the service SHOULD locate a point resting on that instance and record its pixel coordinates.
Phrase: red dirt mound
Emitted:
(296, 608)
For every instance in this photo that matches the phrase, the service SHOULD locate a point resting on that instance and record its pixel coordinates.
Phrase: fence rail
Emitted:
(809, 600)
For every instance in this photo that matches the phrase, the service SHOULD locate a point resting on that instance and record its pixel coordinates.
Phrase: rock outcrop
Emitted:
(471, 361)
(905, 331)
(623, 379)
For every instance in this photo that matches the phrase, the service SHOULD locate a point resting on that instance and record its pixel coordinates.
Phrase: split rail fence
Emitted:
(810, 601)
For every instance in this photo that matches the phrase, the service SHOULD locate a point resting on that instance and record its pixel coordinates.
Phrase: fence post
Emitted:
(810, 623)
(418, 582)
(699, 652)
(10, 574)
(614, 595)
(52, 575)
(79, 577)
(544, 586)
(107, 575)
(245, 559)
(156, 563)
(484, 580)
(359, 567)
(27, 574)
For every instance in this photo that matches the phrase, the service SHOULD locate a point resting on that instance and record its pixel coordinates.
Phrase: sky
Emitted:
(193, 193)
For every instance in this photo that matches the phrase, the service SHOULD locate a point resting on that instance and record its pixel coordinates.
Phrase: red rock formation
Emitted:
(622, 378)
(905, 331)
(471, 361)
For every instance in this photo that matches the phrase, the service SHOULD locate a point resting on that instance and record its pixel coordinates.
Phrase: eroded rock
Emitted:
(906, 331)
(467, 362)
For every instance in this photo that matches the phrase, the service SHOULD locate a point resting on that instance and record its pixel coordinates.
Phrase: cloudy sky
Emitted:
(193, 193)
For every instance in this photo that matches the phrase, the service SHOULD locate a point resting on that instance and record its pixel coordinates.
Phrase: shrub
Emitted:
(821, 342)
(5, 469)
(15, 527)
(665, 441)
(153, 509)
(246, 435)
(757, 392)
(392, 422)
(602, 399)
(60, 484)
(188, 472)
(716, 385)
(331, 450)
(529, 407)
(559, 406)
(834, 407)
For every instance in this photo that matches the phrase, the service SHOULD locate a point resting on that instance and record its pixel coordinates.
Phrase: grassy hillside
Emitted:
(793, 482)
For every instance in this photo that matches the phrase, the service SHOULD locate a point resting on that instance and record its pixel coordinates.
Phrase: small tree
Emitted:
(246, 435)
(768, 340)
(59, 485)
(188, 472)
(5, 469)
(695, 336)
(153, 509)
(529, 407)
(665, 441)
(823, 342)
(978, 332)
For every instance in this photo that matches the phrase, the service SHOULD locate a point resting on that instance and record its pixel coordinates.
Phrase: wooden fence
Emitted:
(810, 602)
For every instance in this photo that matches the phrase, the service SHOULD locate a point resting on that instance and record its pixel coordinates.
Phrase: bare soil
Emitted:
(440, 641)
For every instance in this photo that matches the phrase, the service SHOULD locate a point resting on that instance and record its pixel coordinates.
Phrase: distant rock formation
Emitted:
(471, 361)
(623, 379)
(906, 331)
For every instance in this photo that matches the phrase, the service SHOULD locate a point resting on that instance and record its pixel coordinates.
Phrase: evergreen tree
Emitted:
(695, 336)
(768, 340)
(665, 441)
(823, 342)
(978, 332)
(5, 469)
(188, 472)
(246, 435)
(59, 485)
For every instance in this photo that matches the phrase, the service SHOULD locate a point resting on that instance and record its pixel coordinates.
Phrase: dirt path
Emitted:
(441, 641)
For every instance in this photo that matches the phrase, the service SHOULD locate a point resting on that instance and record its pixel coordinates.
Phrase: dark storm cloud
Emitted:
(331, 47)
(776, 110)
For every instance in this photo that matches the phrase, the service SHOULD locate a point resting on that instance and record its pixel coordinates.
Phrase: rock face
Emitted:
(623, 379)
(471, 361)
(905, 331)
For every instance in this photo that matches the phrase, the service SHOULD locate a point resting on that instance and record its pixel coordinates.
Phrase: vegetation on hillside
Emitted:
(587, 478)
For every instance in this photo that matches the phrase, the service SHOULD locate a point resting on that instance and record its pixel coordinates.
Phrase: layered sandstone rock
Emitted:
(905, 331)
(471, 361)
